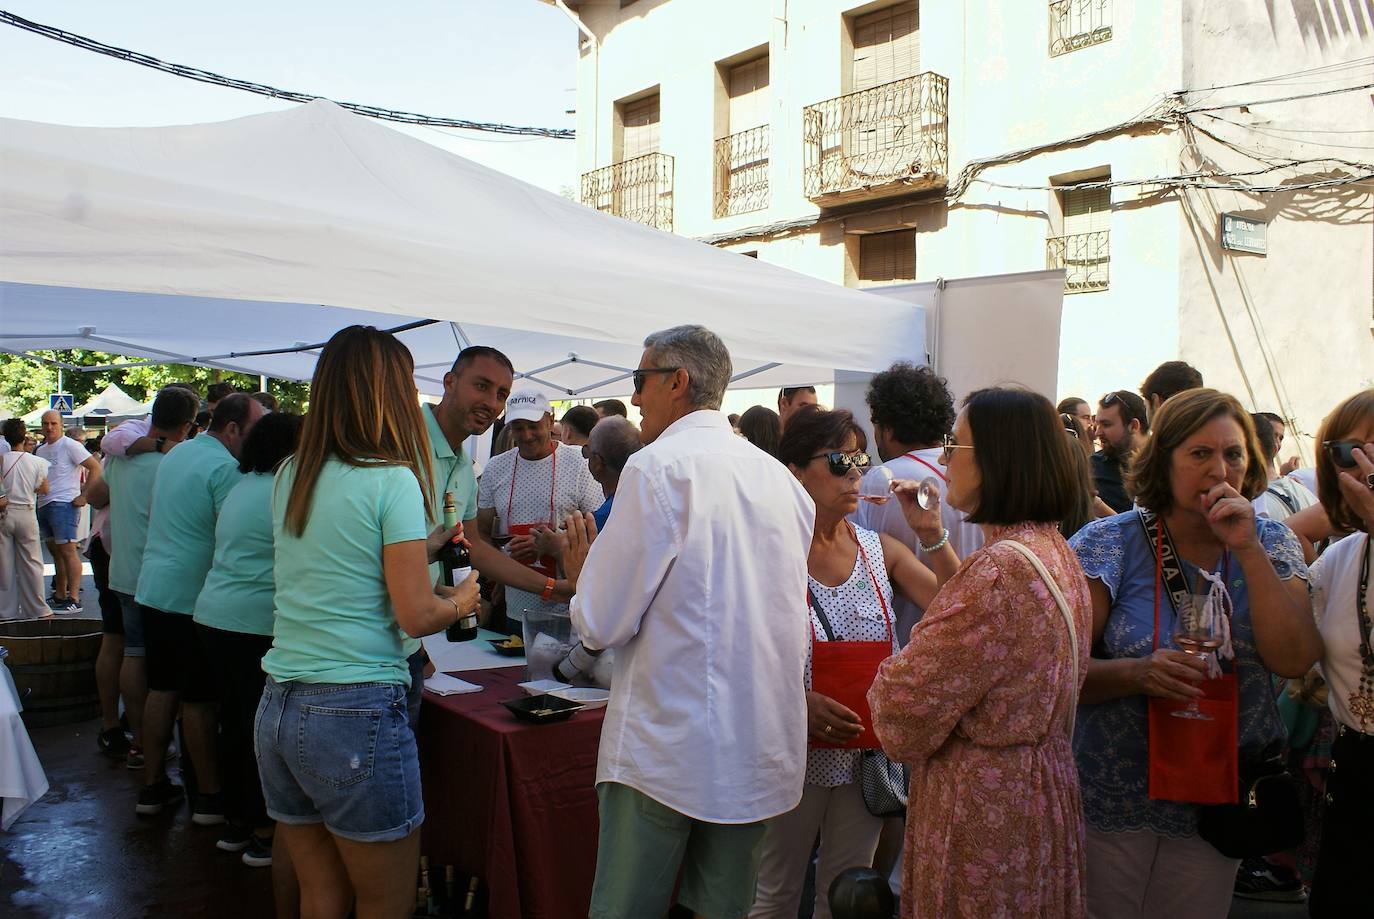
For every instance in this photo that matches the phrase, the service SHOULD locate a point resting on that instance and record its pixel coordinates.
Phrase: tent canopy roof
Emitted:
(202, 242)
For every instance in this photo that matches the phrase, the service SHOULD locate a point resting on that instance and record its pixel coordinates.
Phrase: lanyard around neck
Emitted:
(929, 465)
(1178, 559)
(553, 482)
(872, 579)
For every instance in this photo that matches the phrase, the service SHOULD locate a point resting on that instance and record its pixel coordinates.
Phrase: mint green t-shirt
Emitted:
(191, 486)
(450, 472)
(334, 622)
(237, 596)
(130, 479)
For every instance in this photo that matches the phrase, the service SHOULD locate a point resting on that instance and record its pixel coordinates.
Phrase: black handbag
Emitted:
(1268, 819)
(884, 784)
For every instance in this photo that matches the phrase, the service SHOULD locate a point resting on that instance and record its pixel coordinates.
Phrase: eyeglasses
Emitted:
(950, 446)
(1342, 452)
(841, 463)
(639, 375)
(1112, 398)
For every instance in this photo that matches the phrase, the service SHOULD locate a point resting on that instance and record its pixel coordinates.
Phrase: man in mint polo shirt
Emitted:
(191, 486)
(130, 481)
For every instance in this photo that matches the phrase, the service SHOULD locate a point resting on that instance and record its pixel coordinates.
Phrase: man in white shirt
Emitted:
(911, 411)
(527, 489)
(1284, 496)
(793, 398)
(60, 508)
(700, 587)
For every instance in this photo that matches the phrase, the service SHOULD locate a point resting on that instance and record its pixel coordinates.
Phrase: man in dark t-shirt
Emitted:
(1122, 427)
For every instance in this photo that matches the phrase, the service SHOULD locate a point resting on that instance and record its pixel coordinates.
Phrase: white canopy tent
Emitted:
(111, 402)
(213, 243)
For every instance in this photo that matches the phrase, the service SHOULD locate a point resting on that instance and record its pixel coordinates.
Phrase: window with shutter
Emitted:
(1087, 210)
(887, 46)
(887, 258)
(1083, 250)
(640, 120)
(748, 90)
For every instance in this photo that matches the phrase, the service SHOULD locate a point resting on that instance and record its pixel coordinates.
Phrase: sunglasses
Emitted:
(950, 446)
(1112, 398)
(1342, 452)
(841, 463)
(639, 376)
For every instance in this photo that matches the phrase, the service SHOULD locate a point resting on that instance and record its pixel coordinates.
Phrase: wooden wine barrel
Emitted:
(53, 664)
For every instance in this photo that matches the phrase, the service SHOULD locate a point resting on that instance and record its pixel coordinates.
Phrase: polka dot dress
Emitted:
(854, 614)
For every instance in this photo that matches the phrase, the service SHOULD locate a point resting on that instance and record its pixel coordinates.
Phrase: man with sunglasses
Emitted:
(1122, 428)
(700, 587)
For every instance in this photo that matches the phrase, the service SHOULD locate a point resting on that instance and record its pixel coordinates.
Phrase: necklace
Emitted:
(1361, 700)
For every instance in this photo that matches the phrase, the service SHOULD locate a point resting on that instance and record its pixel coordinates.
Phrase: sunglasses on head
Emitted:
(639, 376)
(841, 463)
(1342, 452)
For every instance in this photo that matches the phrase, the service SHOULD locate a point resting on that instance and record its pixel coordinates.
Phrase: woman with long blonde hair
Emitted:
(336, 754)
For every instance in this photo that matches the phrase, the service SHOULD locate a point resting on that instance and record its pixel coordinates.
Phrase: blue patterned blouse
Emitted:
(1111, 738)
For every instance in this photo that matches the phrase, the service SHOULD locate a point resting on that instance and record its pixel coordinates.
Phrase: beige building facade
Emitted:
(884, 142)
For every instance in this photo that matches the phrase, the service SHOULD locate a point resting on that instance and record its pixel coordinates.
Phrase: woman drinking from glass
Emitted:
(1189, 567)
(980, 702)
(335, 750)
(1340, 601)
(852, 573)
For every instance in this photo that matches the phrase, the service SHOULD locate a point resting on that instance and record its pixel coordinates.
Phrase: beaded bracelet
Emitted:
(944, 538)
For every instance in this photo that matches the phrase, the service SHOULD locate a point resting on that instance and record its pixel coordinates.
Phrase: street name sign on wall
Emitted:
(1243, 234)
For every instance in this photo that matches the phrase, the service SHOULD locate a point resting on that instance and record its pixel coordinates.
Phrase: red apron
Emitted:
(544, 564)
(1192, 760)
(845, 670)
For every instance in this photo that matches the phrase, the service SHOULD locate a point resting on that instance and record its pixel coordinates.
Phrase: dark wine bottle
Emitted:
(456, 563)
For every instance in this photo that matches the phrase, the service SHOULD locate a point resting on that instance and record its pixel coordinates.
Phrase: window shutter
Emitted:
(887, 46)
(1087, 210)
(641, 128)
(887, 258)
(749, 95)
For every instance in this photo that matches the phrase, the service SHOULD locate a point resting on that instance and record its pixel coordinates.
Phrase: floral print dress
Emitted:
(979, 704)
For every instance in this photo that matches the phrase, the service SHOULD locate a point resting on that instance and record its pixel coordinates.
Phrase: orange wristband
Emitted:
(547, 595)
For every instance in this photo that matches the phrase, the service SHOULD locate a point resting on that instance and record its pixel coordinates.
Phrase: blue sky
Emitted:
(511, 61)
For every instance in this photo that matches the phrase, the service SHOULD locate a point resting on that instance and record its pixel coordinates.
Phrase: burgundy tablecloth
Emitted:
(511, 802)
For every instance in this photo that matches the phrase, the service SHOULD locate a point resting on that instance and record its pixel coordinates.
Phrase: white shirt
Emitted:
(1306, 477)
(64, 457)
(1334, 580)
(4, 446)
(701, 588)
(965, 537)
(534, 496)
(22, 473)
(1283, 498)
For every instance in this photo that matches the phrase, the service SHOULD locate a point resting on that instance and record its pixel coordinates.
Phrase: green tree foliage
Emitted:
(26, 384)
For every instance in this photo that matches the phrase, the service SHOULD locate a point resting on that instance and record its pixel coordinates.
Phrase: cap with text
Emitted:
(527, 405)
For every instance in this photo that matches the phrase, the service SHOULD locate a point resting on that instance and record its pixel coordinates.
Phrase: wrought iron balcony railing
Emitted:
(1077, 24)
(742, 172)
(639, 189)
(893, 136)
(1085, 258)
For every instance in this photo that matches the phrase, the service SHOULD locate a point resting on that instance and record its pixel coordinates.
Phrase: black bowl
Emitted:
(506, 650)
(541, 709)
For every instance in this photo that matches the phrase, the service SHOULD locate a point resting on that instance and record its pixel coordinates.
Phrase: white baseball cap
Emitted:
(527, 405)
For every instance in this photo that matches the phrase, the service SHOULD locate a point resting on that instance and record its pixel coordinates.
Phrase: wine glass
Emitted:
(876, 485)
(928, 493)
(1196, 633)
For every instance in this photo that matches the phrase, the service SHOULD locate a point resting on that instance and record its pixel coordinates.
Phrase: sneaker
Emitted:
(207, 810)
(134, 758)
(69, 606)
(55, 603)
(1259, 880)
(113, 743)
(162, 793)
(258, 854)
(235, 839)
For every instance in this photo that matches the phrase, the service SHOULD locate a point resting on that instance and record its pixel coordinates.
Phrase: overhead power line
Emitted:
(262, 89)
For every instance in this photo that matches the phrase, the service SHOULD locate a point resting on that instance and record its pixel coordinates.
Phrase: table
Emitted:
(511, 802)
(22, 781)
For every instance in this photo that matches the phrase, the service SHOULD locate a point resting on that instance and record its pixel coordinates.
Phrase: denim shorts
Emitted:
(57, 521)
(134, 643)
(342, 755)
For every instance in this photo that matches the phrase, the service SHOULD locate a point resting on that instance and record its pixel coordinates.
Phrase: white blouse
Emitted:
(1335, 581)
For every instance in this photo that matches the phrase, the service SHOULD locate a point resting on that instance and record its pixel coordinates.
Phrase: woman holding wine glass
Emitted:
(1189, 567)
(852, 575)
(980, 701)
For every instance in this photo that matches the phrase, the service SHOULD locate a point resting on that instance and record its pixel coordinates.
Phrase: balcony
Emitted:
(639, 189)
(742, 172)
(1077, 24)
(1085, 258)
(877, 142)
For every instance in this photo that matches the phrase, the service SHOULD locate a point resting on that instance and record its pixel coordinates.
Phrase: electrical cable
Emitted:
(262, 89)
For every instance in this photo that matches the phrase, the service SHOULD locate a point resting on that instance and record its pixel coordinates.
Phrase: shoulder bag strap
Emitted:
(1284, 499)
(820, 613)
(1068, 621)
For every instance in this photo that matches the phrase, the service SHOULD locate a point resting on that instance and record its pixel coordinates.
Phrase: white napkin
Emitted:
(441, 684)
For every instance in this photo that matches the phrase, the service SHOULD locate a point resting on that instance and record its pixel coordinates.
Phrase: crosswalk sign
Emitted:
(62, 402)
